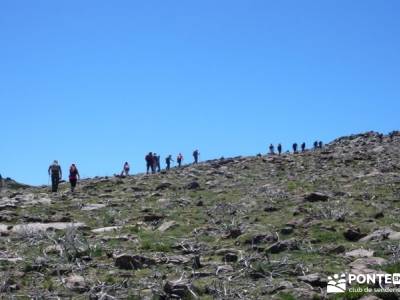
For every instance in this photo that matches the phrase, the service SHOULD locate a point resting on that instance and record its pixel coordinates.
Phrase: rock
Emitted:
(163, 186)
(287, 230)
(359, 253)
(106, 229)
(193, 185)
(76, 283)
(281, 246)
(353, 234)
(258, 238)
(91, 207)
(230, 257)
(133, 262)
(334, 249)
(316, 280)
(233, 233)
(316, 196)
(224, 269)
(31, 228)
(152, 217)
(167, 225)
(378, 235)
(270, 208)
(180, 288)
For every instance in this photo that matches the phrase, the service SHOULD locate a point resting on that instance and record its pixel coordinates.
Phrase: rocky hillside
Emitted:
(270, 227)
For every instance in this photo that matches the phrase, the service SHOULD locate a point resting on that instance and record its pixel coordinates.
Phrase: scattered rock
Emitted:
(359, 253)
(76, 283)
(316, 280)
(133, 262)
(353, 234)
(193, 185)
(316, 196)
(281, 246)
(167, 225)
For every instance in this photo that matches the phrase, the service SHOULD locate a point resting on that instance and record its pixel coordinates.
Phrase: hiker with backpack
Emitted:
(279, 149)
(315, 145)
(125, 169)
(149, 162)
(73, 176)
(168, 161)
(294, 148)
(303, 147)
(56, 175)
(196, 154)
(179, 160)
(320, 145)
(271, 149)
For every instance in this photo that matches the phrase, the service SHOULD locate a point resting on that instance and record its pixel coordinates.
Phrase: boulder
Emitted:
(281, 246)
(133, 262)
(316, 196)
(76, 283)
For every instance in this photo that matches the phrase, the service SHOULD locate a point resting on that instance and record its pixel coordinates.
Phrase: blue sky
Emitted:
(100, 82)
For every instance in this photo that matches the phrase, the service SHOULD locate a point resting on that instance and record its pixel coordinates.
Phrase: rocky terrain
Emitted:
(263, 227)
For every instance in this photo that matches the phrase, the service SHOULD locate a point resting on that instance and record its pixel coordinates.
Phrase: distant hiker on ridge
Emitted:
(149, 162)
(303, 147)
(157, 166)
(315, 145)
(196, 154)
(73, 176)
(294, 148)
(320, 145)
(271, 149)
(168, 161)
(179, 160)
(125, 169)
(56, 175)
(279, 149)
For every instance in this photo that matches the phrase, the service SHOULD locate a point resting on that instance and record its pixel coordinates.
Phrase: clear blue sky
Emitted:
(101, 82)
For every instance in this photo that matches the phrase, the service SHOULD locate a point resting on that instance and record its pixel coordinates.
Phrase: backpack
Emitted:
(55, 169)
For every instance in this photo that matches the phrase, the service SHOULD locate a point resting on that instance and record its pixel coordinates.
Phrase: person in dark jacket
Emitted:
(315, 145)
(271, 149)
(157, 166)
(179, 160)
(196, 154)
(279, 149)
(56, 175)
(125, 169)
(168, 161)
(320, 145)
(294, 148)
(303, 147)
(73, 176)
(149, 162)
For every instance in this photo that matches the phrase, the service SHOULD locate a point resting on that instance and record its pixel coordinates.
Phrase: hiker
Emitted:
(320, 145)
(315, 145)
(196, 154)
(56, 175)
(168, 161)
(380, 137)
(294, 148)
(179, 160)
(157, 163)
(271, 149)
(1, 182)
(73, 176)
(279, 149)
(303, 147)
(125, 169)
(149, 162)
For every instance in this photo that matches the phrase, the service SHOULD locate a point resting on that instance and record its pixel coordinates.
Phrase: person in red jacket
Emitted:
(73, 176)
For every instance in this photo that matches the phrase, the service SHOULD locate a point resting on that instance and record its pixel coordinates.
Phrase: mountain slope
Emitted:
(239, 228)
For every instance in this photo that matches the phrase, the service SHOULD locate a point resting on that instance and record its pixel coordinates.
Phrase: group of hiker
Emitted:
(152, 164)
(55, 173)
(317, 145)
(153, 161)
